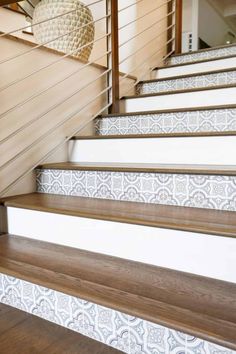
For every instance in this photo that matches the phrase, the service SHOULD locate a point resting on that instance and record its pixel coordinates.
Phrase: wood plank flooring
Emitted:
(22, 333)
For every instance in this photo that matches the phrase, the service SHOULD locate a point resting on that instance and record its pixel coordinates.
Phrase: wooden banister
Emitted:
(6, 2)
(178, 26)
(115, 94)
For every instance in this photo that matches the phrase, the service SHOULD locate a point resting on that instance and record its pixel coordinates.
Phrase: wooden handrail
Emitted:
(178, 26)
(6, 2)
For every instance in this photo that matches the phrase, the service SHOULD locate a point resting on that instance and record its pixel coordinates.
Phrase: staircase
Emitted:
(132, 241)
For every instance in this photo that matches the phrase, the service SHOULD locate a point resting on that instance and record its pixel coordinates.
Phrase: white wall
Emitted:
(212, 25)
(203, 20)
(190, 24)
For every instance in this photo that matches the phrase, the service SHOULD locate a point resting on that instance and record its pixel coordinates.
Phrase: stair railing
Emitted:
(170, 34)
(61, 119)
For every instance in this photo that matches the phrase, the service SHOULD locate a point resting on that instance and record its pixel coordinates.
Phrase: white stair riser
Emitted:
(187, 83)
(191, 150)
(205, 54)
(195, 68)
(202, 254)
(204, 98)
(158, 123)
(196, 191)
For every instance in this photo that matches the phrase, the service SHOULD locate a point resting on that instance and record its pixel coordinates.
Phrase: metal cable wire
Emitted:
(127, 7)
(72, 115)
(28, 124)
(144, 61)
(43, 21)
(147, 28)
(50, 153)
(51, 40)
(53, 128)
(51, 64)
(129, 56)
(149, 70)
(18, 105)
(148, 13)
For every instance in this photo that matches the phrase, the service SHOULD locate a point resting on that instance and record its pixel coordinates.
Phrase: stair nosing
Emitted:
(215, 170)
(157, 135)
(166, 111)
(194, 62)
(177, 92)
(185, 76)
(168, 223)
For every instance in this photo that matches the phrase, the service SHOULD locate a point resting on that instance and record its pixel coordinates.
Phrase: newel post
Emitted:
(113, 58)
(178, 26)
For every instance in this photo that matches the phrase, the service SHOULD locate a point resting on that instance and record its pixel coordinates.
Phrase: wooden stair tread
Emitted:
(21, 332)
(226, 170)
(162, 111)
(200, 61)
(224, 46)
(177, 92)
(193, 304)
(184, 76)
(207, 221)
(156, 135)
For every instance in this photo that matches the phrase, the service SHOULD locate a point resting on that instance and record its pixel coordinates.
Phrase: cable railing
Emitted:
(53, 39)
(59, 107)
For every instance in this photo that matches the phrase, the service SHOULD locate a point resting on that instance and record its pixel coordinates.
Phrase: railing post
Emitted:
(113, 61)
(170, 22)
(178, 26)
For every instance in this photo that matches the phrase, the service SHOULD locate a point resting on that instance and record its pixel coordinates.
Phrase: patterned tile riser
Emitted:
(223, 52)
(199, 191)
(180, 122)
(129, 334)
(224, 78)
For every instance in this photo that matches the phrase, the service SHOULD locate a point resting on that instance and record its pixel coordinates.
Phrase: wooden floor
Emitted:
(22, 333)
(189, 303)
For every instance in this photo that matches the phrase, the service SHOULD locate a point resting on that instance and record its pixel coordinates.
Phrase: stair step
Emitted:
(209, 53)
(135, 231)
(214, 222)
(196, 305)
(181, 99)
(194, 67)
(21, 332)
(212, 148)
(211, 119)
(210, 187)
(188, 82)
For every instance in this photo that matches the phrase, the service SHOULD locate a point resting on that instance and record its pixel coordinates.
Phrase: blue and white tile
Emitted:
(198, 191)
(164, 123)
(127, 333)
(186, 83)
(211, 54)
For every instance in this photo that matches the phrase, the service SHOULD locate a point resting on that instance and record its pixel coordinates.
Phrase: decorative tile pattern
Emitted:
(129, 334)
(186, 83)
(198, 191)
(211, 54)
(180, 122)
